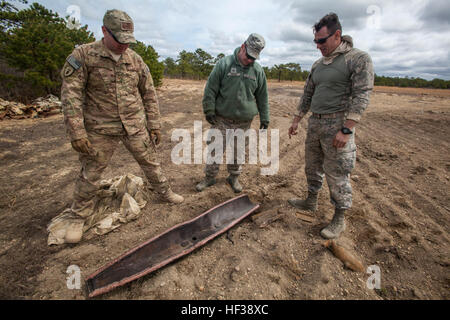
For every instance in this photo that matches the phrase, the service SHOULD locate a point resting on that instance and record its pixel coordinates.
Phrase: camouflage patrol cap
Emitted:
(120, 24)
(255, 43)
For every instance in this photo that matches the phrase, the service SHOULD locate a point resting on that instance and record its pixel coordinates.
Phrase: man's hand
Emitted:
(84, 146)
(211, 118)
(155, 136)
(294, 126)
(264, 125)
(341, 140)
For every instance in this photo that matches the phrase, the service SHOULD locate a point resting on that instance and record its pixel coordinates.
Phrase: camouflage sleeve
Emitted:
(149, 98)
(362, 78)
(308, 91)
(74, 75)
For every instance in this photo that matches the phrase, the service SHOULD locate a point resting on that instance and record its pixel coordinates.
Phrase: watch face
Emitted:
(346, 131)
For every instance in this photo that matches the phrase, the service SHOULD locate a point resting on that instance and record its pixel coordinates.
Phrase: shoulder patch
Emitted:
(76, 64)
(68, 71)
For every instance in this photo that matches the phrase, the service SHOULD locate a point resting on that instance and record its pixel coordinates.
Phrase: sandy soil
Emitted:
(399, 220)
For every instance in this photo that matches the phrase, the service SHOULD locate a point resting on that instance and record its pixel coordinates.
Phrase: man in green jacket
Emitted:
(235, 93)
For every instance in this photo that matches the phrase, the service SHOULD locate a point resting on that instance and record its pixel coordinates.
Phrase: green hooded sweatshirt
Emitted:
(237, 92)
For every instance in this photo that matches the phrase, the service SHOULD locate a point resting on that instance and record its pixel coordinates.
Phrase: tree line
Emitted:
(199, 64)
(191, 65)
(411, 82)
(288, 72)
(35, 41)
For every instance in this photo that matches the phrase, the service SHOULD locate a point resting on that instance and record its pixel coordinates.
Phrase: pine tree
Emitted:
(150, 57)
(36, 42)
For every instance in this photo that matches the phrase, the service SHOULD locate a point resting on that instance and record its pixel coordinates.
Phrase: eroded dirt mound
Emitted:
(399, 220)
(39, 108)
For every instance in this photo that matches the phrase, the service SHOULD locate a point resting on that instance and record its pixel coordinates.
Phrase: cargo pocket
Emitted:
(346, 156)
(347, 161)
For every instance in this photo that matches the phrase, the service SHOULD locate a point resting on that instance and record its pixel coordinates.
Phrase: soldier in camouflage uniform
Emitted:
(235, 93)
(108, 96)
(337, 92)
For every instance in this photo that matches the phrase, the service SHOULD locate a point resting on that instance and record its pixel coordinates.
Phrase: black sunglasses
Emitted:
(246, 53)
(323, 40)
(112, 35)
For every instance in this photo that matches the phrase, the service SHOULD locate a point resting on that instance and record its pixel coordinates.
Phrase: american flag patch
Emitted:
(127, 26)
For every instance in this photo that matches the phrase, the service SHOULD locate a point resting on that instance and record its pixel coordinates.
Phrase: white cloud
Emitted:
(403, 37)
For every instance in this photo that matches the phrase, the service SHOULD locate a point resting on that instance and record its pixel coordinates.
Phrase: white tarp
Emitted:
(119, 201)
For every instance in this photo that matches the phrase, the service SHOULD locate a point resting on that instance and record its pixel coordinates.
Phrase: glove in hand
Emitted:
(83, 146)
(211, 118)
(155, 135)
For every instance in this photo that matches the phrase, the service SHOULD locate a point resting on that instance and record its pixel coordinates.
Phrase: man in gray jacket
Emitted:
(337, 92)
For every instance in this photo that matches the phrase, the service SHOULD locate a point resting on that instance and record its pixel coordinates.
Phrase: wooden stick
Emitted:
(264, 218)
(349, 261)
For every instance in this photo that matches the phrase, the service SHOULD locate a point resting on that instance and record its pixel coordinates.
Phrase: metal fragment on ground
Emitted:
(176, 242)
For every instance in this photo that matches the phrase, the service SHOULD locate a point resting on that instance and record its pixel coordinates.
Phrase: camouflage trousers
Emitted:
(222, 124)
(323, 159)
(139, 145)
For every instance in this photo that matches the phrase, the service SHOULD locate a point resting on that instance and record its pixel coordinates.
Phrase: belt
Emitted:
(232, 120)
(328, 115)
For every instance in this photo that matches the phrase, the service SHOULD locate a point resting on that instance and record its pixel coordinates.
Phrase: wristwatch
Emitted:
(346, 130)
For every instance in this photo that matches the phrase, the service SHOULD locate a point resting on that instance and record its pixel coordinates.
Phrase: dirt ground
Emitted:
(399, 220)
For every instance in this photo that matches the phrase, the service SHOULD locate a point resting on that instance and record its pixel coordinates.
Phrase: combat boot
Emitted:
(171, 197)
(310, 203)
(336, 226)
(67, 227)
(205, 184)
(234, 183)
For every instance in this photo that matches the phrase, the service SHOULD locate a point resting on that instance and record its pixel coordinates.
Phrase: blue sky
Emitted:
(404, 37)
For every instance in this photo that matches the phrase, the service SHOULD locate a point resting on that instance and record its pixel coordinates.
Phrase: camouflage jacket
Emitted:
(108, 97)
(356, 100)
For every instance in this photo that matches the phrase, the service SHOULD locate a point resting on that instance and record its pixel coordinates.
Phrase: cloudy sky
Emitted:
(404, 37)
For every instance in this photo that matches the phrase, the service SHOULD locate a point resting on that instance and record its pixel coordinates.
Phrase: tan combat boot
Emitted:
(171, 197)
(67, 227)
(336, 226)
(310, 203)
